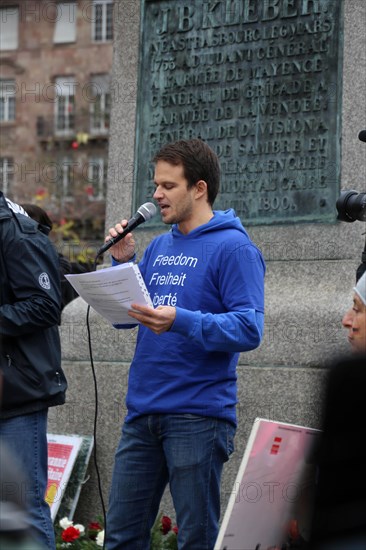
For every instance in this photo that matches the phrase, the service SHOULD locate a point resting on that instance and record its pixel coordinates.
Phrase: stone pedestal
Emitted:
(310, 274)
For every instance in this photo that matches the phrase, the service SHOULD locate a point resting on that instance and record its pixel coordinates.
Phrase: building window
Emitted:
(9, 23)
(66, 178)
(65, 106)
(102, 21)
(65, 26)
(6, 174)
(97, 176)
(100, 105)
(7, 100)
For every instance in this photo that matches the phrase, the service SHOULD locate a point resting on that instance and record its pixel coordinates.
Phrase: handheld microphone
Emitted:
(143, 214)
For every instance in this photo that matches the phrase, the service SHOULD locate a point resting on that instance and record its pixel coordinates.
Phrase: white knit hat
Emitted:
(360, 288)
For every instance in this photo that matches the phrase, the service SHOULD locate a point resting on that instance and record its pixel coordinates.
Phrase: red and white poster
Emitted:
(62, 453)
(272, 498)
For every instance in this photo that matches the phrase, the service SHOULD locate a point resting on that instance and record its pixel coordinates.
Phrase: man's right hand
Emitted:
(124, 250)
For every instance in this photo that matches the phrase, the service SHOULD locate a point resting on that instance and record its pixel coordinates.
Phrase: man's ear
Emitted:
(201, 188)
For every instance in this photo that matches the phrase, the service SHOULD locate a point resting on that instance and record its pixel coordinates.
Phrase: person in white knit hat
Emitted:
(354, 319)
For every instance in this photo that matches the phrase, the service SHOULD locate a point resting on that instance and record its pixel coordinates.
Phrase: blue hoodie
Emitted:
(214, 277)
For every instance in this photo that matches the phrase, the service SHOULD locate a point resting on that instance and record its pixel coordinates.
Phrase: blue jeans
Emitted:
(184, 450)
(26, 438)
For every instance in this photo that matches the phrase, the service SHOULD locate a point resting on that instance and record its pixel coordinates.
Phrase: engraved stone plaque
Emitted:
(260, 81)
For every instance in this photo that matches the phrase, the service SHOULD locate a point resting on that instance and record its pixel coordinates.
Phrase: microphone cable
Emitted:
(96, 401)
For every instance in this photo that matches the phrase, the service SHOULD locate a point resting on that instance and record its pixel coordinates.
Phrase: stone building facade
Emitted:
(55, 64)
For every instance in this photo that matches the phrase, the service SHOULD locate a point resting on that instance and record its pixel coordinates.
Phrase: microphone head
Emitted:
(147, 210)
(362, 135)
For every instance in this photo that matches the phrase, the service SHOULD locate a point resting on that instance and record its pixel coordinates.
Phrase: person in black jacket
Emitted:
(339, 519)
(30, 354)
(37, 213)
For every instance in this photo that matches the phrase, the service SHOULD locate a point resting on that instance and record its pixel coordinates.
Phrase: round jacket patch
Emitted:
(44, 281)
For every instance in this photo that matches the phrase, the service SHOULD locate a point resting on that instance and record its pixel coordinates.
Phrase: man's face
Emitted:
(175, 200)
(354, 321)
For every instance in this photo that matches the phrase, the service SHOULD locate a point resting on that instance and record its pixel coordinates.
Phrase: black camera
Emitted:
(351, 206)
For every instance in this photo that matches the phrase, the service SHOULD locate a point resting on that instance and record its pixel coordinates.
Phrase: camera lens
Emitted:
(351, 206)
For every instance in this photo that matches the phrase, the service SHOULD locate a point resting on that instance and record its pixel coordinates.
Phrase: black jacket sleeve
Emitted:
(33, 298)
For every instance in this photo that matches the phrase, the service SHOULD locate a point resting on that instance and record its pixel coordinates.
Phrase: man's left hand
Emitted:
(158, 320)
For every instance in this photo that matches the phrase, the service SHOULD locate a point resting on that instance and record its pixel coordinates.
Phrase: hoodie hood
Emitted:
(222, 219)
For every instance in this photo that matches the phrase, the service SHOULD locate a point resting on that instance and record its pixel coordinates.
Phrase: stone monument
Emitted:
(278, 89)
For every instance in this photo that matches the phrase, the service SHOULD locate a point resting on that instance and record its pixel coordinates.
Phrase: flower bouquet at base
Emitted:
(76, 536)
(163, 535)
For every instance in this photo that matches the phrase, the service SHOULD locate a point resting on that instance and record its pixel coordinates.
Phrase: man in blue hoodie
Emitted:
(206, 282)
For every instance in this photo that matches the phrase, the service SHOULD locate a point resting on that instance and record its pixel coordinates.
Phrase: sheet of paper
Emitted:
(111, 291)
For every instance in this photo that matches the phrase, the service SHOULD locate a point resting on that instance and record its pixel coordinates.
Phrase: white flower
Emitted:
(65, 523)
(80, 527)
(100, 538)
